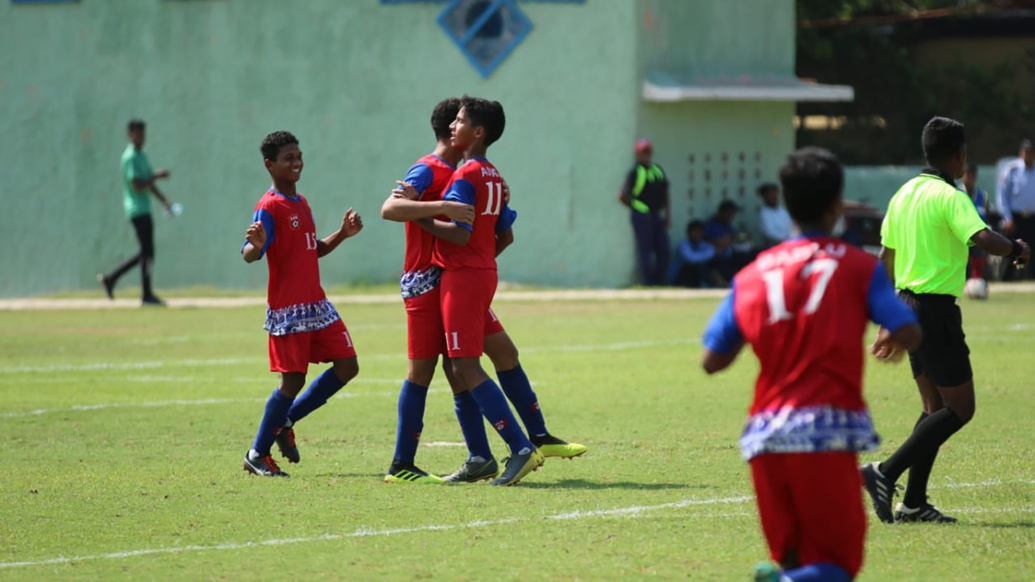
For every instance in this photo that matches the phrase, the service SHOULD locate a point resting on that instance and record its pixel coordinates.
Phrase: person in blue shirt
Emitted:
(730, 252)
(692, 266)
(1017, 200)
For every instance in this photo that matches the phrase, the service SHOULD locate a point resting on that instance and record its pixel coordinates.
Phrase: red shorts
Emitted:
(425, 336)
(466, 299)
(295, 351)
(811, 508)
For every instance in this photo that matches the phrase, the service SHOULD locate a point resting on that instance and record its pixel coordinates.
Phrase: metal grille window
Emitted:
(485, 30)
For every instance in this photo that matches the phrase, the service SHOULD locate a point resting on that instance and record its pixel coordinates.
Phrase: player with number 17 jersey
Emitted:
(804, 307)
(469, 274)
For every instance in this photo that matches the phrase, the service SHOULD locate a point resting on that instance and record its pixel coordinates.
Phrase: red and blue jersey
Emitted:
(804, 307)
(479, 184)
(295, 300)
(429, 176)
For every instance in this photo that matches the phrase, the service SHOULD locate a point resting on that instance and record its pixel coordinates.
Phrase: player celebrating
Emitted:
(925, 236)
(467, 255)
(304, 327)
(420, 198)
(803, 306)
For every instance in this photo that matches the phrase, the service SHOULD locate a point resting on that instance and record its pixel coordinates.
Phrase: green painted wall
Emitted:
(718, 37)
(355, 80)
(877, 184)
(716, 150)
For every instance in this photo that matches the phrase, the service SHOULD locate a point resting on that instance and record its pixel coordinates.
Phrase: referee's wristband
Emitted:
(1017, 250)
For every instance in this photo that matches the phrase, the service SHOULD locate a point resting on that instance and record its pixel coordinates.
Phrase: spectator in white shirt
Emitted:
(773, 219)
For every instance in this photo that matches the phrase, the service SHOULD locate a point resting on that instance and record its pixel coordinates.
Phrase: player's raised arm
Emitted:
(453, 232)
(722, 340)
(259, 236)
(351, 224)
(404, 205)
(256, 241)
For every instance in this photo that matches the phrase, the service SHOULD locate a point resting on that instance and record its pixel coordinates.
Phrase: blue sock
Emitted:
(275, 417)
(472, 425)
(820, 572)
(494, 407)
(322, 388)
(412, 398)
(516, 386)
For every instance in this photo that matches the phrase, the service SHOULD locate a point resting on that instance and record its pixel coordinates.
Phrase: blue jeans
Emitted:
(652, 248)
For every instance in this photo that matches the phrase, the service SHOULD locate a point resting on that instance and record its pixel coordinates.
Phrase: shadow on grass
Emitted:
(583, 484)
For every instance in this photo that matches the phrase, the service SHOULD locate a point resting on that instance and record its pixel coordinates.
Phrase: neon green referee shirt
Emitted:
(929, 225)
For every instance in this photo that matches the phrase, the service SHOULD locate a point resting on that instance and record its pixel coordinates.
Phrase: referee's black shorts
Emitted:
(943, 356)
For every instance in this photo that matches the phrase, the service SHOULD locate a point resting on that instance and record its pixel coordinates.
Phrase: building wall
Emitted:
(355, 81)
(877, 184)
(717, 150)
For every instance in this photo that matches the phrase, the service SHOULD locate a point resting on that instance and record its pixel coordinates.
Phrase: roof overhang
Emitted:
(663, 88)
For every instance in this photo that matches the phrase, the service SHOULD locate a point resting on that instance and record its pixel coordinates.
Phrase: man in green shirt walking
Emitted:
(138, 184)
(926, 234)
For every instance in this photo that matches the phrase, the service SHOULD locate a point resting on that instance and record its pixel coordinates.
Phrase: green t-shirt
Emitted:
(929, 225)
(135, 165)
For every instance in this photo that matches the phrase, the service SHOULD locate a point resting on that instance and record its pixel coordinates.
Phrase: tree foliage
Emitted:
(873, 49)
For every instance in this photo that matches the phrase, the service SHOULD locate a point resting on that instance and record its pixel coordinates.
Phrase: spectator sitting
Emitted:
(732, 252)
(773, 219)
(692, 265)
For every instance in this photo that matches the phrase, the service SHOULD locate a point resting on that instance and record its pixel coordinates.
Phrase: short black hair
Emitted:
(729, 205)
(943, 138)
(694, 225)
(272, 143)
(766, 187)
(813, 180)
(135, 124)
(487, 114)
(443, 116)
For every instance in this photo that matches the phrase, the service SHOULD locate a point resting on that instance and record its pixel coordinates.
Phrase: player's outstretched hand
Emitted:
(406, 190)
(885, 349)
(351, 223)
(162, 174)
(256, 234)
(459, 212)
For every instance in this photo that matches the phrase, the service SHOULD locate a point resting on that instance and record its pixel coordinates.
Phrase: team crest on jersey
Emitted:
(295, 221)
(500, 425)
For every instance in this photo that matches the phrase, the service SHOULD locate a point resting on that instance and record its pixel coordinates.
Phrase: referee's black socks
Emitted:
(922, 447)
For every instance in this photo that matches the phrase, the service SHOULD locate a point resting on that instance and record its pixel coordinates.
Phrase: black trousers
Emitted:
(144, 227)
(1025, 230)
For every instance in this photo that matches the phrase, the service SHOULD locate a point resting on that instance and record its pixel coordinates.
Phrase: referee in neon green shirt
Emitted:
(926, 234)
(138, 185)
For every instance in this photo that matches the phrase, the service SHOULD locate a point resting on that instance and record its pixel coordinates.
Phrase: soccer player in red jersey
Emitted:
(420, 197)
(804, 306)
(467, 256)
(304, 327)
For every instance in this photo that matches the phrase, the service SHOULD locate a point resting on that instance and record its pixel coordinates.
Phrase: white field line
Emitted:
(199, 402)
(101, 366)
(634, 511)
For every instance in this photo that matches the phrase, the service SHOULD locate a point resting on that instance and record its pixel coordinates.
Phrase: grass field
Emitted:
(126, 430)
